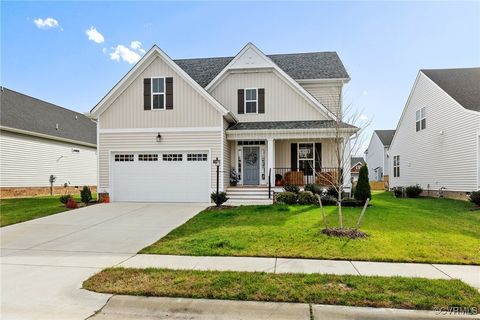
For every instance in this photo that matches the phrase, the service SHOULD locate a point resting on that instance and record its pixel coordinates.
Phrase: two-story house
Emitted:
(163, 127)
(376, 155)
(437, 141)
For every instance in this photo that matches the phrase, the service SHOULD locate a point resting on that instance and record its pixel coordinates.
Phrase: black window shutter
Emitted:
(241, 101)
(293, 156)
(318, 157)
(261, 100)
(147, 93)
(169, 93)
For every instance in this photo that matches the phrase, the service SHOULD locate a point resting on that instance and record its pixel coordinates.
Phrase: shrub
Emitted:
(278, 177)
(287, 197)
(413, 191)
(63, 199)
(475, 197)
(362, 190)
(397, 192)
(328, 201)
(71, 203)
(314, 188)
(86, 195)
(307, 197)
(222, 198)
(288, 187)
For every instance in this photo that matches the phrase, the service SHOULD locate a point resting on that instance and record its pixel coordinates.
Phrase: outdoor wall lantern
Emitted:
(159, 137)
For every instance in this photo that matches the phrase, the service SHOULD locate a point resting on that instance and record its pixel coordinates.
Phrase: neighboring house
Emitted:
(163, 125)
(355, 164)
(376, 155)
(437, 142)
(39, 139)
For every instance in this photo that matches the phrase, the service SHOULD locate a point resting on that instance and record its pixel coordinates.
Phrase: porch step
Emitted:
(248, 195)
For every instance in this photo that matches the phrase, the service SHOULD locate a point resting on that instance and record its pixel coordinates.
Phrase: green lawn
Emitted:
(407, 230)
(17, 210)
(388, 292)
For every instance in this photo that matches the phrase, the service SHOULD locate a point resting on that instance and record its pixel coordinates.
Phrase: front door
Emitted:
(251, 164)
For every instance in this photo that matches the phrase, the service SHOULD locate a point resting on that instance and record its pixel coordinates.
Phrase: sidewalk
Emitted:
(153, 308)
(466, 273)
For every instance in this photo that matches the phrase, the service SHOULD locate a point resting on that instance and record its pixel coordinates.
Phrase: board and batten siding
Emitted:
(28, 161)
(146, 141)
(328, 93)
(446, 153)
(190, 108)
(376, 157)
(282, 102)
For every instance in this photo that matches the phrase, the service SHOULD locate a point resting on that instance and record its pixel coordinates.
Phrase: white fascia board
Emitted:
(47, 136)
(141, 65)
(321, 81)
(319, 106)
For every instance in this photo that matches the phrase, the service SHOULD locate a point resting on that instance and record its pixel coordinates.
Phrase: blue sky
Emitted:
(382, 44)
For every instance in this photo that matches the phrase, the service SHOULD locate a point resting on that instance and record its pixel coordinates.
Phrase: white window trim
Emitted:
(420, 120)
(396, 165)
(158, 94)
(245, 100)
(306, 159)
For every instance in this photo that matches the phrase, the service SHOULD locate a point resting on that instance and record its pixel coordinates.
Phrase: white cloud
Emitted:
(94, 35)
(46, 23)
(120, 52)
(137, 45)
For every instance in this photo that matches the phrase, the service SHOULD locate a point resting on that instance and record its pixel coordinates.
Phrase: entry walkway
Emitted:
(466, 273)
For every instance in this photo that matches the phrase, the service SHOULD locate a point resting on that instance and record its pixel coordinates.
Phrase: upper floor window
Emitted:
(420, 118)
(158, 93)
(251, 100)
(396, 166)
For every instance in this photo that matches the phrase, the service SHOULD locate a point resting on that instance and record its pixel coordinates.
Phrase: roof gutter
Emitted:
(47, 136)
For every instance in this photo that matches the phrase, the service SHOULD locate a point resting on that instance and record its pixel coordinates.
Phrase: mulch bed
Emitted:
(344, 233)
(215, 208)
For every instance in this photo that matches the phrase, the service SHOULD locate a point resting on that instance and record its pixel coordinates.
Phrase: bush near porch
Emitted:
(405, 230)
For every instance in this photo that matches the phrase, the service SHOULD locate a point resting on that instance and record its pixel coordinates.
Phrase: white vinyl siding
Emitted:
(376, 159)
(446, 152)
(28, 161)
(190, 109)
(329, 93)
(145, 142)
(282, 102)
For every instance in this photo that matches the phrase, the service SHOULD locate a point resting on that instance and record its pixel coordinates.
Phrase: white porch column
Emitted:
(271, 159)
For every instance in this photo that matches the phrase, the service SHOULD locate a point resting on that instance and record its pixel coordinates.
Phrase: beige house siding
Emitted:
(28, 161)
(282, 102)
(447, 152)
(145, 141)
(283, 152)
(328, 93)
(190, 109)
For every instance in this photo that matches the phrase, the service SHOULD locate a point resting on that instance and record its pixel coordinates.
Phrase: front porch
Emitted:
(296, 152)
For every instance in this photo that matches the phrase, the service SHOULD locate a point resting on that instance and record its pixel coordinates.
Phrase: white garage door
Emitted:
(161, 176)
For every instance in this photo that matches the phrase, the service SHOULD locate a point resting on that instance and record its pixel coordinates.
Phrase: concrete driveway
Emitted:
(45, 261)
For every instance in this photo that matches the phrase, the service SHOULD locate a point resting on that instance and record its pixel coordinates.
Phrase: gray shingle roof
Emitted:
(23, 112)
(355, 160)
(385, 136)
(463, 85)
(281, 125)
(312, 65)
